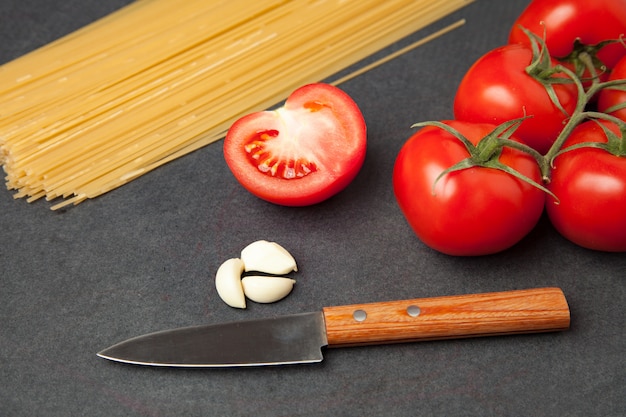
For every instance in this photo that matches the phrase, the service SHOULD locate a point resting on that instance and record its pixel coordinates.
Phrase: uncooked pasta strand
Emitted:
(159, 79)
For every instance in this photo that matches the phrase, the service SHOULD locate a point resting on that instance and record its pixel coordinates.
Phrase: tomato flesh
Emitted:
(475, 211)
(590, 184)
(302, 153)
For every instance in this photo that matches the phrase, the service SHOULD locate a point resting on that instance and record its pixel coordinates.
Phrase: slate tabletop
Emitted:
(143, 258)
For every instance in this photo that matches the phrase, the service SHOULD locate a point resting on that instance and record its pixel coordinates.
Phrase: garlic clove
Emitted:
(263, 289)
(228, 283)
(267, 257)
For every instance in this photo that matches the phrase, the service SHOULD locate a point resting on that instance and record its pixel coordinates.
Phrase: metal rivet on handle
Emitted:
(359, 315)
(413, 311)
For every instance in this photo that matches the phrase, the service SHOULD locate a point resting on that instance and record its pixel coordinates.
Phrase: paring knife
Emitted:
(300, 338)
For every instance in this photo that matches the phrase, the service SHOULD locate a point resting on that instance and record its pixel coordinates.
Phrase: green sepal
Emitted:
(616, 107)
(615, 145)
(619, 85)
(580, 66)
(487, 153)
(466, 142)
(496, 164)
(543, 71)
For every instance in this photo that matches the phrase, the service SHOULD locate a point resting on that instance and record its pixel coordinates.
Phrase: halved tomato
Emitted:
(301, 153)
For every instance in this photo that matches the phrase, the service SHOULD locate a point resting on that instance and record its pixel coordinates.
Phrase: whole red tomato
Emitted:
(497, 89)
(474, 211)
(591, 186)
(564, 21)
(609, 98)
(302, 153)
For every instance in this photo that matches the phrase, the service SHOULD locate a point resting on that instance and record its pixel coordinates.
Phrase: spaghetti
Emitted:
(161, 78)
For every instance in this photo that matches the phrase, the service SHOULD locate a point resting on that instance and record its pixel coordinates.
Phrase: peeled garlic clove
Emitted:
(268, 257)
(228, 283)
(267, 289)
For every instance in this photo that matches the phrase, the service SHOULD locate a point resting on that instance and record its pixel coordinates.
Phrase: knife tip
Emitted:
(104, 355)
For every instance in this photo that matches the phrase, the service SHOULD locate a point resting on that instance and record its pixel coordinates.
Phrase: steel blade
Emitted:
(276, 341)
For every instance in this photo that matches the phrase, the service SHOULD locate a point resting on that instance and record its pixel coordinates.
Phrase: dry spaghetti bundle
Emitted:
(161, 78)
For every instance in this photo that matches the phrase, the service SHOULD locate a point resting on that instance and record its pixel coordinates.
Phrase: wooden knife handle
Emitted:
(489, 314)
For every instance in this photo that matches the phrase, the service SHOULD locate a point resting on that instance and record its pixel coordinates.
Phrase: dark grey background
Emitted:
(142, 258)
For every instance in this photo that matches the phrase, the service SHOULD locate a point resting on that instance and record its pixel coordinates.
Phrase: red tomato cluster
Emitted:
(469, 187)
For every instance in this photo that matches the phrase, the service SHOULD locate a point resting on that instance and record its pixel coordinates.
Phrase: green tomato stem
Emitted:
(618, 143)
(577, 117)
(488, 147)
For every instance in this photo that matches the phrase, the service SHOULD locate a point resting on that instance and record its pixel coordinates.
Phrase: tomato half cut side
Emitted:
(301, 153)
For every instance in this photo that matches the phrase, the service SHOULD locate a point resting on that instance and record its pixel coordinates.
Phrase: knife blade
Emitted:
(300, 338)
